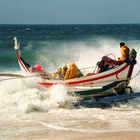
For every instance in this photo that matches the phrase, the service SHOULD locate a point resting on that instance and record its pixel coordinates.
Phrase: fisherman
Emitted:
(64, 70)
(102, 66)
(35, 68)
(71, 72)
(32, 69)
(124, 52)
(58, 74)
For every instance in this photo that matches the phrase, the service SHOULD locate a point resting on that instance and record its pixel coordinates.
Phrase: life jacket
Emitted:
(124, 53)
(71, 72)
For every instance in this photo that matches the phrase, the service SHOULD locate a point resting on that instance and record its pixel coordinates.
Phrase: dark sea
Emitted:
(49, 41)
(31, 112)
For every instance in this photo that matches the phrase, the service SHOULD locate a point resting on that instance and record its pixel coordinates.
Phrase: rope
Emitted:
(18, 78)
(96, 66)
(88, 67)
(11, 75)
(112, 55)
(136, 75)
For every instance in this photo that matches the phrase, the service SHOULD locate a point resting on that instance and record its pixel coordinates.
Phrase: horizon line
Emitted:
(68, 23)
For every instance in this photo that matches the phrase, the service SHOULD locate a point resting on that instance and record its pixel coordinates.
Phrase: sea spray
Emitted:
(27, 96)
(53, 98)
(80, 53)
(59, 97)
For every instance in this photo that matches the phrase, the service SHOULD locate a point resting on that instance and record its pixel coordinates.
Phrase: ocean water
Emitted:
(28, 111)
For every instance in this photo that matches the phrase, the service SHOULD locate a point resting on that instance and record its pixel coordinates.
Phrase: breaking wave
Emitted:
(26, 95)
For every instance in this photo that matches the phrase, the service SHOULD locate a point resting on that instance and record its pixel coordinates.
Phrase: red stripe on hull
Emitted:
(20, 62)
(98, 78)
(87, 80)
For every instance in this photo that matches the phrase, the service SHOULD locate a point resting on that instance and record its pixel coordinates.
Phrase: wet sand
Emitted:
(82, 124)
(63, 135)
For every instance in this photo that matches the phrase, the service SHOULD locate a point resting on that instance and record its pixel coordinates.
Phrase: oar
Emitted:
(11, 75)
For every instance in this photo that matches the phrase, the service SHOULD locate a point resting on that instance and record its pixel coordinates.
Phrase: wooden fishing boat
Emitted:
(113, 81)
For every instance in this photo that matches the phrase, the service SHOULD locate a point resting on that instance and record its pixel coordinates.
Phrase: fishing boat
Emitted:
(114, 81)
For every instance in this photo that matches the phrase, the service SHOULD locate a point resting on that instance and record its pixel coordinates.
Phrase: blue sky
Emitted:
(69, 11)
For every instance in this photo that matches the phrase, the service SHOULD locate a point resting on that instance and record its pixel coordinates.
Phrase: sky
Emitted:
(69, 11)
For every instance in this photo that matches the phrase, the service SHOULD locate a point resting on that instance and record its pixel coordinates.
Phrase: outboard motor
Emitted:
(132, 61)
(132, 56)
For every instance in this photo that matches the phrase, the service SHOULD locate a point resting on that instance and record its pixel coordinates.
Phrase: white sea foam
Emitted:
(26, 95)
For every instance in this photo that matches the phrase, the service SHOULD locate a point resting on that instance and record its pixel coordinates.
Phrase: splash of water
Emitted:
(25, 95)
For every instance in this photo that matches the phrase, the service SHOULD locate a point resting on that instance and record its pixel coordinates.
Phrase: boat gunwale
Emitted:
(87, 79)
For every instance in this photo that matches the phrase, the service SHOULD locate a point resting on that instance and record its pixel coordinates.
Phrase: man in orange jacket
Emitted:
(71, 72)
(124, 52)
